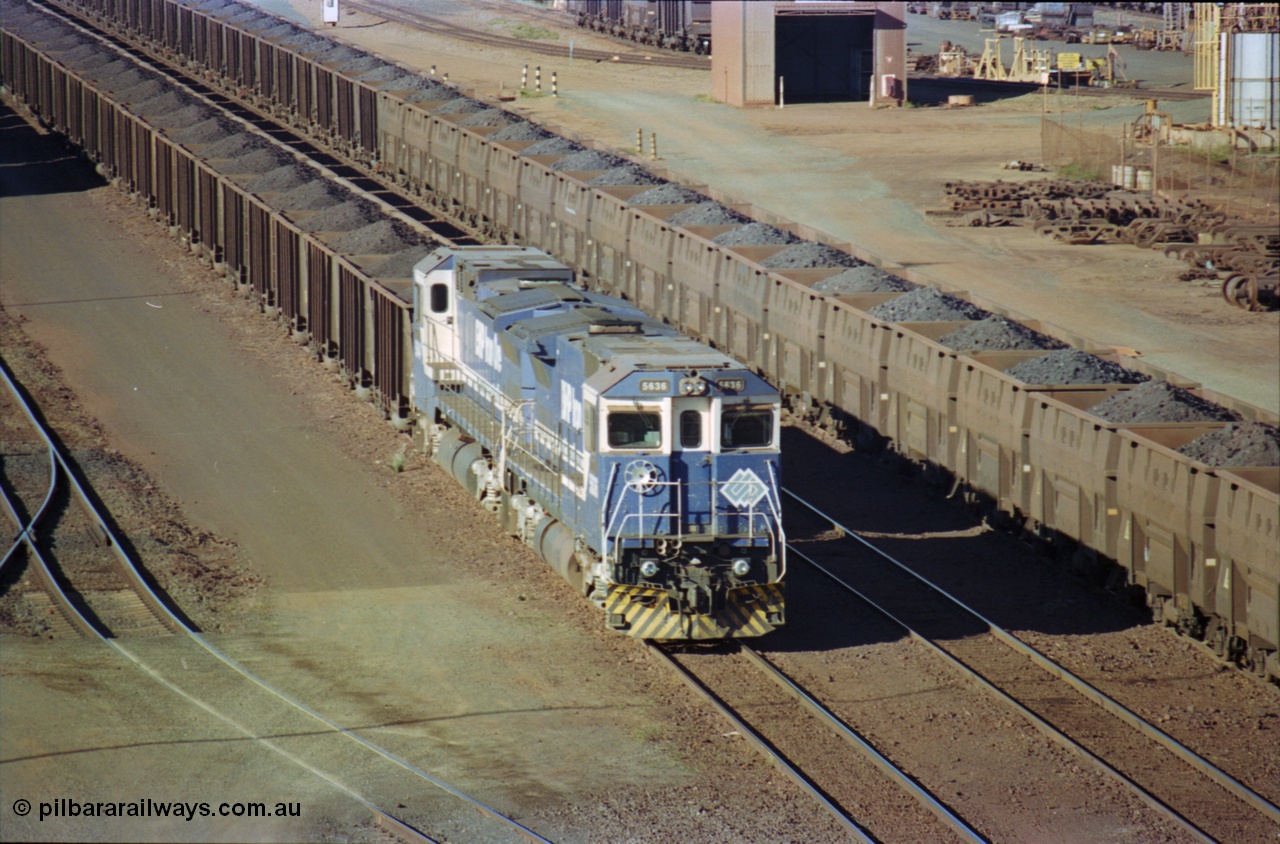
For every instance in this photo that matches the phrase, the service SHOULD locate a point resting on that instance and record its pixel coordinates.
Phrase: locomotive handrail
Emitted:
(479, 394)
(614, 531)
(604, 525)
(776, 504)
(510, 433)
(750, 516)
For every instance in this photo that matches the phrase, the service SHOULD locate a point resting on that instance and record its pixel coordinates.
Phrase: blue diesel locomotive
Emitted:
(640, 464)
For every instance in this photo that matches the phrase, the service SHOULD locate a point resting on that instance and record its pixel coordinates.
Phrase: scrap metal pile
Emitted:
(1244, 254)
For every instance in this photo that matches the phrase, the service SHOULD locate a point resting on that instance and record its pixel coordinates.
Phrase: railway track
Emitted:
(342, 169)
(171, 653)
(323, 160)
(1171, 778)
(1234, 542)
(811, 746)
(86, 584)
(1086, 719)
(438, 26)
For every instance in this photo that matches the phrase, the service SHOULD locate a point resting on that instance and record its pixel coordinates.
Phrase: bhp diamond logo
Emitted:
(744, 490)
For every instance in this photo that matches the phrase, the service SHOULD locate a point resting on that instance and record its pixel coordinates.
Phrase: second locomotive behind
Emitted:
(640, 464)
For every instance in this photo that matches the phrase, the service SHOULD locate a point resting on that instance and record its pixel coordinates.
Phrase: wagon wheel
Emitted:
(1219, 642)
(1258, 661)
(1255, 304)
(1242, 291)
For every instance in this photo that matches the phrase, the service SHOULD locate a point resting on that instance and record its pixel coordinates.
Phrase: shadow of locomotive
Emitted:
(1017, 579)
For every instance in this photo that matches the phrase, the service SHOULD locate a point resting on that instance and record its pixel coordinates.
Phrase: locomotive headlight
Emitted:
(692, 386)
(649, 568)
(742, 567)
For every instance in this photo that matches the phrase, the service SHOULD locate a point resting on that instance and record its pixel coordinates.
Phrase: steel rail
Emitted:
(45, 576)
(760, 743)
(171, 620)
(25, 531)
(787, 491)
(427, 23)
(90, 631)
(1090, 692)
(1052, 732)
(899, 776)
(124, 565)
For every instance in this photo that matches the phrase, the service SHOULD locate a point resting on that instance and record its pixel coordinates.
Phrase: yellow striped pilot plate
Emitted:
(642, 611)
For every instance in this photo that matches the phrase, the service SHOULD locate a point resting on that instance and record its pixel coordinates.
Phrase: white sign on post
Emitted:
(331, 12)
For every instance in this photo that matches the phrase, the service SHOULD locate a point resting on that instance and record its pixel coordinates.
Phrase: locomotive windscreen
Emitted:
(635, 429)
(746, 428)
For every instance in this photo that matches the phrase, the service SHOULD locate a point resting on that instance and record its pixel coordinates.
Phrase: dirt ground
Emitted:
(392, 602)
(866, 176)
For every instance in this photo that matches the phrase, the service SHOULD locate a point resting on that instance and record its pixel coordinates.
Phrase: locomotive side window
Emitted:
(635, 429)
(746, 428)
(439, 298)
(690, 429)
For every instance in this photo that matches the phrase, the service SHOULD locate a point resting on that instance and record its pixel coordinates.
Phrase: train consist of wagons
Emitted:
(683, 25)
(1199, 541)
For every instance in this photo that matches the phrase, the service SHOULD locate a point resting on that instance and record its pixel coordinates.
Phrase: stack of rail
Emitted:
(1095, 212)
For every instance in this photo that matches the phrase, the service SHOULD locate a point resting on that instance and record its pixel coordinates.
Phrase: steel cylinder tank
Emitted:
(457, 455)
(554, 543)
(1249, 80)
